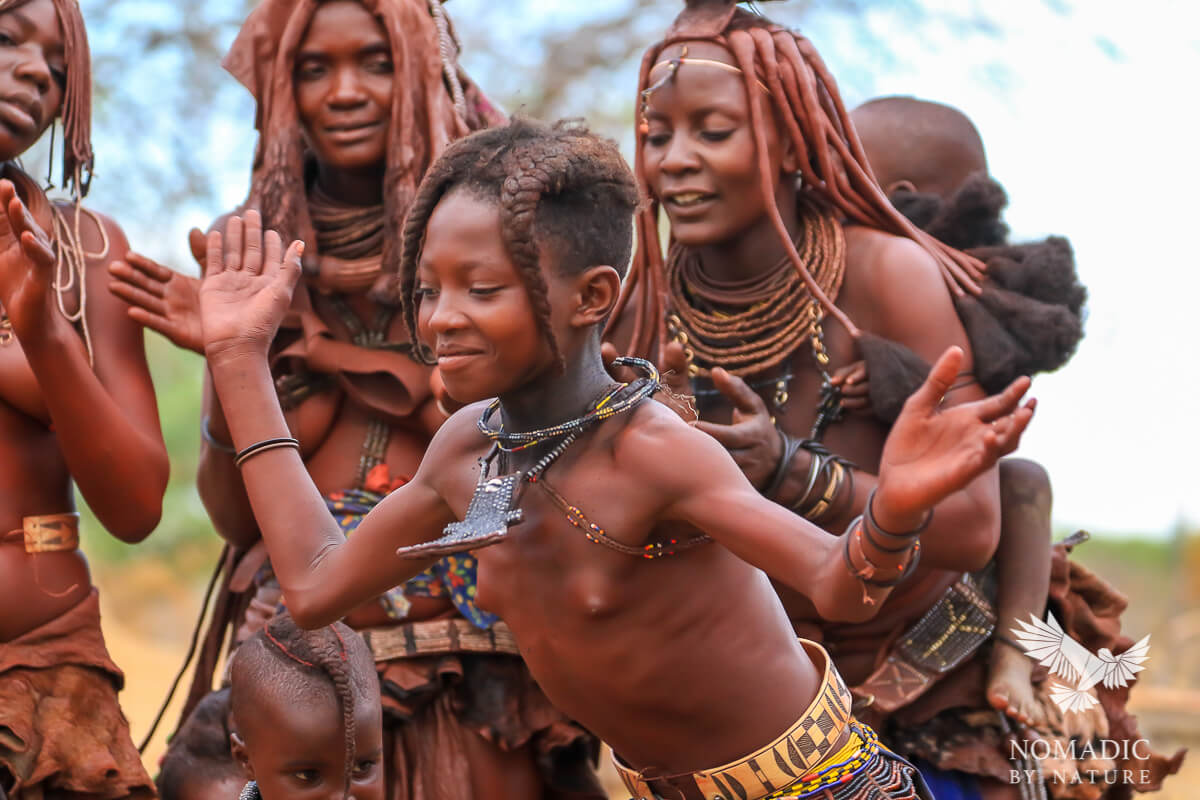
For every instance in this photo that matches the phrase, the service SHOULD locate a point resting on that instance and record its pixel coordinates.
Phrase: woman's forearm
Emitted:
(120, 467)
(218, 480)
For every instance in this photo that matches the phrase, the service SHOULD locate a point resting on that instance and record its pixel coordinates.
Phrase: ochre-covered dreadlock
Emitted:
(433, 103)
(285, 655)
(559, 183)
(77, 157)
(805, 98)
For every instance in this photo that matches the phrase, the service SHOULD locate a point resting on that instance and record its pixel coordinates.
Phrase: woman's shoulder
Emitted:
(99, 235)
(878, 261)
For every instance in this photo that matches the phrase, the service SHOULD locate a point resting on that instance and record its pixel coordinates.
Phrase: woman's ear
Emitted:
(238, 748)
(791, 161)
(596, 292)
(899, 186)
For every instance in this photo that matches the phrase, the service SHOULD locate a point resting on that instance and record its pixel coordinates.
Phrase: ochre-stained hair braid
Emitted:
(522, 165)
(832, 161)
(323, 650)
(76, 113)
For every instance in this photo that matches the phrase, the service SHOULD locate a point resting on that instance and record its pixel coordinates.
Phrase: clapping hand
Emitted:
(160, 298)
(27, 261)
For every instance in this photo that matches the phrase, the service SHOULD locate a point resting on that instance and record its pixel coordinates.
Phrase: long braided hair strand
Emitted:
(832, 161)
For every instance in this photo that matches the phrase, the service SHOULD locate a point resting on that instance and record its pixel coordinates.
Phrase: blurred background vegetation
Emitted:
(174, 138)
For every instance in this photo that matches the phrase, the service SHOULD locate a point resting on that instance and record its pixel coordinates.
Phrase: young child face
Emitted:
(475, 312)
(699, 152)
(296, 750)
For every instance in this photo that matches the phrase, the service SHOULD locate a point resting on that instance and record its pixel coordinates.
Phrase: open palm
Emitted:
(247, 287)
(160, 298)
(933, 452)
(26, 258)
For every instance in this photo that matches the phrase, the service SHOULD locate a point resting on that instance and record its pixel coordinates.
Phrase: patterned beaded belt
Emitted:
(49, 533)
(438, 636)
(953, 628)
(818, 735)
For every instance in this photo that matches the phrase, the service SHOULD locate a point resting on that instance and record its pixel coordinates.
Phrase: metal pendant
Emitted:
(829, 409)
(488, 516)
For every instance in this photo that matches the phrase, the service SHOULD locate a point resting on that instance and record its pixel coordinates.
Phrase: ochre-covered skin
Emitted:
(52, 401)
(352, 105)
(77, 410)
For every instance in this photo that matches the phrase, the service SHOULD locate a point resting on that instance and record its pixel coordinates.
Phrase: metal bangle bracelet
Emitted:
(263, 446)
(814, 470)
(790, 448)
(212, 440)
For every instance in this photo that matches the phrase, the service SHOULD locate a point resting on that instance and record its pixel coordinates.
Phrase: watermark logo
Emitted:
(1046, 643)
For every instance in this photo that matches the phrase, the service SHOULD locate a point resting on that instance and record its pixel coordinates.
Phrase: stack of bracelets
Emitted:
(829, 485)
(904, 547)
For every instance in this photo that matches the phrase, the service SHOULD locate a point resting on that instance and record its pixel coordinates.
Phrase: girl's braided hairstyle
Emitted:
(283, 654)
(556, 184)
(805, 99)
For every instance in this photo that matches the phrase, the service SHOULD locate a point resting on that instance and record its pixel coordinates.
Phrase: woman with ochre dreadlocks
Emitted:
(71, 364)
(355, 100)
(632, 582)
(787, 266)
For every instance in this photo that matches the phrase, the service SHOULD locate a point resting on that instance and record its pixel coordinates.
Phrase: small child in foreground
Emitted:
(307, 720)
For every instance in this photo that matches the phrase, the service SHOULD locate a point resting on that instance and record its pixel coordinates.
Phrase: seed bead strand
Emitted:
(606, 407)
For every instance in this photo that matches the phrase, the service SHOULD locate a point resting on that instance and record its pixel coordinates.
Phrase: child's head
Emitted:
(514, 250)
(306, 713)
(919, 146)
(199, 765)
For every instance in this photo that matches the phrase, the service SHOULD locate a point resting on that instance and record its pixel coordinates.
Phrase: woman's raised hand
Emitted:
(26, 261)
(933, 452)
(160, 298)
(247, 287)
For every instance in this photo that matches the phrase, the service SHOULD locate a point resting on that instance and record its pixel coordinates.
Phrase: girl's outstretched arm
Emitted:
(930, 453)
(246, 291)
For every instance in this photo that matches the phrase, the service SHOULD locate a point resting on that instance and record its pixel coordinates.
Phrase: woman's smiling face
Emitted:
(699, 152)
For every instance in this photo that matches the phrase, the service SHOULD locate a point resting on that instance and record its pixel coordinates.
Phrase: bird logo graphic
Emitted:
(1046, 643)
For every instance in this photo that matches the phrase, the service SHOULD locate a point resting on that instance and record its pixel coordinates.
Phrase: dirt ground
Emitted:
(148, 614)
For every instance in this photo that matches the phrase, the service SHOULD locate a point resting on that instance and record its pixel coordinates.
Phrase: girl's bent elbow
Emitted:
(307, 610)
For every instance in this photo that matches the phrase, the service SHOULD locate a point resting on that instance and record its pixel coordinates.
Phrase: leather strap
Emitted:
(438, 636)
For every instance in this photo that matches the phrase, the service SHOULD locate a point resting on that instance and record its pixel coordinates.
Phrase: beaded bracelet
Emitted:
(263, 446)
(212, 441)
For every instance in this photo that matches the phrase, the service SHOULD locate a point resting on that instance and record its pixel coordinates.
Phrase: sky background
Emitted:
(1084, 113)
